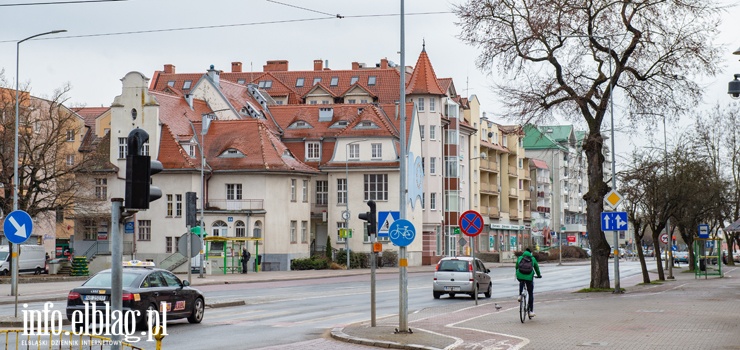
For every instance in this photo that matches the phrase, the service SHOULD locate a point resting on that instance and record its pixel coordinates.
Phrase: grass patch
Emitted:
(651, 282)
(599, 290)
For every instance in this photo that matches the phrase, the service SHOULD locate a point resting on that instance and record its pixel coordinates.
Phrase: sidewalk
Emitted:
(684, 313)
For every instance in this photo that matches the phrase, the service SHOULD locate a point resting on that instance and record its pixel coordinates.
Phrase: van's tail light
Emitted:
(73, 296)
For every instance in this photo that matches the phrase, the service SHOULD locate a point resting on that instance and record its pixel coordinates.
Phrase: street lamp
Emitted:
(346, 213)
(14, 279)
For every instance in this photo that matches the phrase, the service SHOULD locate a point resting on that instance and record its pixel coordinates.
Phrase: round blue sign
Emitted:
(402, 232)
(18, 226)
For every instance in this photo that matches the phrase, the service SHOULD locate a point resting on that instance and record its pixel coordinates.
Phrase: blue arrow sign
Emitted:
(402, 232)
(18, 226)
(614, 221)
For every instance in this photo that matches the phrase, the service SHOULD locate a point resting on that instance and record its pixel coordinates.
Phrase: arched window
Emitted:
(257, 233)
(219, 229)
(241, 229)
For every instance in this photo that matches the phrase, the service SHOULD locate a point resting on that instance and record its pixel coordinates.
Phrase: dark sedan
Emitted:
(145, 289)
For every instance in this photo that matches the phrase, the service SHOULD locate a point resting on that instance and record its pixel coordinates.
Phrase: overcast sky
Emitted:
(252, 32)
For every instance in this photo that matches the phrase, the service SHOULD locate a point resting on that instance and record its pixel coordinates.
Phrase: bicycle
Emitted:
(524, 304)
(402, 232)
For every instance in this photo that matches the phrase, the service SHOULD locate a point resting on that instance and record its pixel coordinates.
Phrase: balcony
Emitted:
(527, 195)
(512, 193)
(237, 204)
(512, 171)
(483, 210)
(493, 212)
(527, 215)
(514, 214)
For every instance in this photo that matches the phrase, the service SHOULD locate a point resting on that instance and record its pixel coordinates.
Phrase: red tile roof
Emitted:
(539, 164)
(171, 153)
(89, 114)
(423, 80)
(175, 112)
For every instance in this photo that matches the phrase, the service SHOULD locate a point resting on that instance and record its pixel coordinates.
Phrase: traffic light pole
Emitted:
(116, 253)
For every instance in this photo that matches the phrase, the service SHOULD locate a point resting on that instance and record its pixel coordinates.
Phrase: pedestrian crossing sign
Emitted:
(385, 220)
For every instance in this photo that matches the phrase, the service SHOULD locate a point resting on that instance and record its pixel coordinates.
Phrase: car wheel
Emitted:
(487, 294)
(142, 324)
(198, 310)
(436, 295)
(4, 273)
(37, 271)
(452, 295)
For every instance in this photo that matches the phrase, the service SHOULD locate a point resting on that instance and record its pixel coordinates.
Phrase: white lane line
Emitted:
(496, 345)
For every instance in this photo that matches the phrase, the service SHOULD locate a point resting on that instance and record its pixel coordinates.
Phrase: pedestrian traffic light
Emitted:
(139, 169)
(191, 209)
(370, 217)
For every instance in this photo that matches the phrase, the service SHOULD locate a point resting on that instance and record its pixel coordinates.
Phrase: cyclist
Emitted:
(524, 274)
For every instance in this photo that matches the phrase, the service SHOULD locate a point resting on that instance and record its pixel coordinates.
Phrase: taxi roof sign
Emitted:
(613, 199)
(138, 263)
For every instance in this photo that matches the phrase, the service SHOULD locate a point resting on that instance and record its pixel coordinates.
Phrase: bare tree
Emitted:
(634, 182)
(568, 57)
(48, 159)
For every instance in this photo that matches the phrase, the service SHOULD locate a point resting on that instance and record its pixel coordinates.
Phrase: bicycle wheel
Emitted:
(523, 306)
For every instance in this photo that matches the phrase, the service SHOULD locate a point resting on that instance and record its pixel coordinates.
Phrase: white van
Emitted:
(32, 258)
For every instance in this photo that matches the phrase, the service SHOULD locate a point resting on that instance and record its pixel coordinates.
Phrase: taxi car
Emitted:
(144, 288)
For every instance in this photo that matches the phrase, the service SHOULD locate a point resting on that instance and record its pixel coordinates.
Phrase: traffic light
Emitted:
(370, 217)
(191, 209)
(139, 169)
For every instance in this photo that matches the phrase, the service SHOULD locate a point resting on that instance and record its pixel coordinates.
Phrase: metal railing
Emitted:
(236, 204)
(16, 339)
(173, 261)
(103, 247)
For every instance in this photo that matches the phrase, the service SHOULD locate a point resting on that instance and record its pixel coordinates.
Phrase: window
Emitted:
(376, 187)
(169, 205)
(241, 230)
(451, 137)
(423, 199)
(433, 201)
(433, 165)
(334, 81)
(178, 205)
(299, 82)
(313, 150)
(363, 101)
(91, 229)
(316, 80)
(171, 83)
(313, 102)
(420, 105)
(431, 104)
(191, 149)
(432, 132)
(101, 188)
(305, 191)
(351, 101)
(354, 80)
(37, 126)
(377, 150)
(70, 159)
(521, 163)
(324, 102)
(168, 245)
(265, 84)
(354, 151)
(340, 224)
(122, 147)
(452, 202)
(421, 132)
(304, 231)
(322, 192)
(233, 192)
(371, 80)
(341, 191)
(292, 190)
(70, 135)
(451, 167)
(241, 81)
(293, 233)
(186, 84)
(219, 229)
(145, 230)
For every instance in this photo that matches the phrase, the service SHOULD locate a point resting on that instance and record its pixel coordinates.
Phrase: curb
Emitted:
(338, 334)
(226, 304)
(32, 300)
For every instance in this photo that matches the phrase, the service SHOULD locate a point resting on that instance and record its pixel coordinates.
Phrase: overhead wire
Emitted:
(57, 2)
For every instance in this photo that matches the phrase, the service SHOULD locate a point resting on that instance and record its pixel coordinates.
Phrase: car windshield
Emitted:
(103, 280)
(3, 256)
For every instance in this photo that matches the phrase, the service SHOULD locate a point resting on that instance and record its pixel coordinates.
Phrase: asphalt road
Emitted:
(299, 312)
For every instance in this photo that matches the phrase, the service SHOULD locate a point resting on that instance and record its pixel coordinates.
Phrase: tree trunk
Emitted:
(658, 259)
(643, 265)
(597, 189)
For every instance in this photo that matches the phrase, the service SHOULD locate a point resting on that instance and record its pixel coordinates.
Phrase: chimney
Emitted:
(214, 75)
(276, 66)
(169, 68)
(355, 65)
(189, 98)
(236, 67)
(326, 65)
(318, 64)
(384, 63)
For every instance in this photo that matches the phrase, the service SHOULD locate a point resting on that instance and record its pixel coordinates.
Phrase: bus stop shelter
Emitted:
(230, 248)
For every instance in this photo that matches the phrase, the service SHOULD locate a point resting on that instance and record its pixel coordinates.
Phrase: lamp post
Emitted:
(668, 219)
(346, 213)
(14, 250)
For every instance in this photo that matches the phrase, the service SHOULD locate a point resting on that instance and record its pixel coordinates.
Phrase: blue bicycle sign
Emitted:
(402, 232)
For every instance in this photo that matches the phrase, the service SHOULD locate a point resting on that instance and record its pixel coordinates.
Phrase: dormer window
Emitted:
(334, 81)
(265, 84)
(241, 81)
(171, 83)
(300, 124)
(371, 80)
(186, 85)
(340, 124)
(299, 82)
(316, 80)
(366, 124)
(232, 153)
(353, 80)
